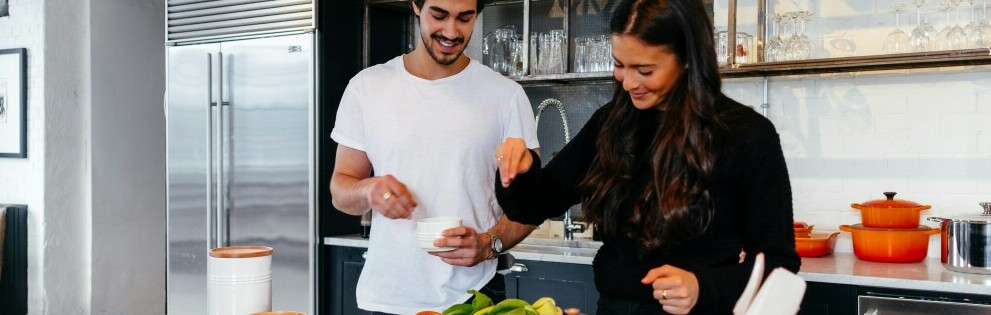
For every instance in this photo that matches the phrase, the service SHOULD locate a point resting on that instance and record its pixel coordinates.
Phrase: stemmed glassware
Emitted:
(897, 40)
(984, 28)
(957, 38)
(775, 46)
(919, 41)
(803, 49)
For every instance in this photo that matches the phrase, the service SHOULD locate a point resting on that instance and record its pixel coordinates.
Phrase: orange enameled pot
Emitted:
(890, 245)
(817, 244)
(890, 213)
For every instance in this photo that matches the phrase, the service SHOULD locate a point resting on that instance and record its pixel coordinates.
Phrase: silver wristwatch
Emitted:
(496, 243)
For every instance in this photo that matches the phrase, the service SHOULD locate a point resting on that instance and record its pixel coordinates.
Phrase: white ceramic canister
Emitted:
(239, 280)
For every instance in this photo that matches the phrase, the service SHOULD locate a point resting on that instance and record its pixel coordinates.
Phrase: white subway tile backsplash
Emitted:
(943, 101)
(944, 144)
(817, 184)
(879, 145)
(939, 186)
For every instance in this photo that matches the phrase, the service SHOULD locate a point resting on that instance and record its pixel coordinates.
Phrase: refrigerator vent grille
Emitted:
(197, 19)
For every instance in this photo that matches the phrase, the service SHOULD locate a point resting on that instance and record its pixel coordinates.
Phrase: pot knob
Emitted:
(987, 208)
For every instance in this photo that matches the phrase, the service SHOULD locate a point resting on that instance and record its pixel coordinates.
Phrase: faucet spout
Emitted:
(564, 116)
(569, 226)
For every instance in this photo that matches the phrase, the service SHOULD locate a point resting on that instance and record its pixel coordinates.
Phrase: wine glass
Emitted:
(919, 41)
(973, 28)
(804, 48)
(897, 40)
(957, 38)
(985, 28)
(774, 45)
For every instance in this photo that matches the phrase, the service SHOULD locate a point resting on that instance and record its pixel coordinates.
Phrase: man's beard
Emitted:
(439, 58)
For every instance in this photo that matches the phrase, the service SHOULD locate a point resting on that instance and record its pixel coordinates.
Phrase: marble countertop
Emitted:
(840, 268)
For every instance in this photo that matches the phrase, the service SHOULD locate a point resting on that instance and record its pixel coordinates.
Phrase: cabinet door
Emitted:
(570, 285)
(346, 264)
(352, 269)
(828, 299)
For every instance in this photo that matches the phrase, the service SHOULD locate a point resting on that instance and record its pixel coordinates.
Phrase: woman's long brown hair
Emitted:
(675, 204)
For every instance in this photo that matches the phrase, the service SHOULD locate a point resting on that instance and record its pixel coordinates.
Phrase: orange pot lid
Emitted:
(890, 202)
(241, 252)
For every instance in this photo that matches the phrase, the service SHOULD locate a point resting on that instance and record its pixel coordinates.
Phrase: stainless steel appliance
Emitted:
(240, 121)
(911, 305)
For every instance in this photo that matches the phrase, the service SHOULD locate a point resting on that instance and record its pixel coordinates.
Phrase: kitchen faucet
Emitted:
(570, 227)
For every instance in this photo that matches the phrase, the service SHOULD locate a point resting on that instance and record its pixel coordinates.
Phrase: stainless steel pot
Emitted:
(967, 242)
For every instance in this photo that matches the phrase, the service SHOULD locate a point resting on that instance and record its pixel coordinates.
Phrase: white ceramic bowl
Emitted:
(429, 230)
(436, 225)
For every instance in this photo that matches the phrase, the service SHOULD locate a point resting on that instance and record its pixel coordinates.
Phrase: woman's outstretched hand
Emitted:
(512, 157)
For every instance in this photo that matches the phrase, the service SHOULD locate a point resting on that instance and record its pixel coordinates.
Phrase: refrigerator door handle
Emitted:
(211, 210)
(227, 143)
(222, 219)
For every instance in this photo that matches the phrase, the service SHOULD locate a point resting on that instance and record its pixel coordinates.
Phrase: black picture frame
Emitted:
(20, 62)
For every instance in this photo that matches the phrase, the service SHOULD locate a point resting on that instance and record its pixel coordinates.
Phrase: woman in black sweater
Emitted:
(685, 185)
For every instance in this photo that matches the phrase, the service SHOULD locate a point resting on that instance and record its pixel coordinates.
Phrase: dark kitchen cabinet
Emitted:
(570, 285)
(345, 267)
(828, 299)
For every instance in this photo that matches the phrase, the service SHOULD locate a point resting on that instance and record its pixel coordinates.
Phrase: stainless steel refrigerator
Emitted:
(240, 121)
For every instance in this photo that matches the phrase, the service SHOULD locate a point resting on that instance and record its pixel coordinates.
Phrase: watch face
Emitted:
(497, 244)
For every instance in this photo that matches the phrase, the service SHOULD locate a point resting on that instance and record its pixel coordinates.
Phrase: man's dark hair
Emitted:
(478, 5)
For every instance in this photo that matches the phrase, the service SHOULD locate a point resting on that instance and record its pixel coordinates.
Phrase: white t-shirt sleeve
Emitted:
(349, 129)
(520, 122)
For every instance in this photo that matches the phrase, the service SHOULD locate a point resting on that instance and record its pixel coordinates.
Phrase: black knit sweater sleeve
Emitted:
(547, 192)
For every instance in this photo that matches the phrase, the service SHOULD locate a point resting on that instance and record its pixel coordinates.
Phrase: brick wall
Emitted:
(924, 133)
(22, 180)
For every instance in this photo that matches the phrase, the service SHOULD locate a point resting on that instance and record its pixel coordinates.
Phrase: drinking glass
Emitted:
(897, 40)
(774, 45)
(919, 40)
(534, 52)
(957, 38)
(722, 48)
(580, 54)
(975, 36)
(804, 49)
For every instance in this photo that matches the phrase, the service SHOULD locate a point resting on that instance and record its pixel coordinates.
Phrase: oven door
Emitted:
(908, 305)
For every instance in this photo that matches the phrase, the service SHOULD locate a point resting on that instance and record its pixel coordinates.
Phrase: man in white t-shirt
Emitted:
(428, 123)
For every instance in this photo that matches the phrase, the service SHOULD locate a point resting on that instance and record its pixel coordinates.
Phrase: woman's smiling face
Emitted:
(647, 72)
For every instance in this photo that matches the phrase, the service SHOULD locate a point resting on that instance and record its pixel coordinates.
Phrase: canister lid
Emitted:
(241, 252)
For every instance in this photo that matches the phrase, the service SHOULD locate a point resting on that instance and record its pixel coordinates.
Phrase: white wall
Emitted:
(128, 156)
(67, 226)
(94, 176)
(22, 180)
(923, 133)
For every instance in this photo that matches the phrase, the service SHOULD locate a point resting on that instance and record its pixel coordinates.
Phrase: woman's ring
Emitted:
(386, 196)
(664, 294)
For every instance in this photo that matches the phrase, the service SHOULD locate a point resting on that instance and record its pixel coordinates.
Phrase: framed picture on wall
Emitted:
(13, 103)
(3, 8)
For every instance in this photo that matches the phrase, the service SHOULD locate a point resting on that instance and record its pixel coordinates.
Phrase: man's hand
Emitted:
(472, 247)
(390, 197)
